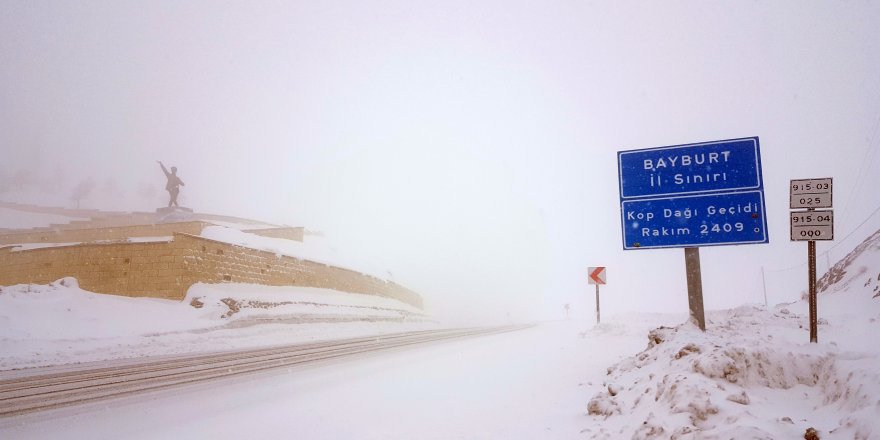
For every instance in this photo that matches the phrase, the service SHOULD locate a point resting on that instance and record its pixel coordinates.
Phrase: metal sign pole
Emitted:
(597, 277)
(811, 257)
(812, 225)
(695, 285)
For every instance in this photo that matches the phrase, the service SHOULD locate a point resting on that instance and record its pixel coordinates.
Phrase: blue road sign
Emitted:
(690, 169)
(704, 194)
(695, 220)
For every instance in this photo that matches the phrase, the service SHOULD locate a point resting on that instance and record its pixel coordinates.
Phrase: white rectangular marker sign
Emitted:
(810, 193)
(812, 225)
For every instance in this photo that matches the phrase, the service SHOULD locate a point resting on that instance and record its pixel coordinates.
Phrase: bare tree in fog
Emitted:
(82, 190)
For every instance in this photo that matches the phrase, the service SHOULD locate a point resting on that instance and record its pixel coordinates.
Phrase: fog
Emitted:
(469, 148)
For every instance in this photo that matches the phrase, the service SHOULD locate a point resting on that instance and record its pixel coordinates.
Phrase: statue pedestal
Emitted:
(174, 214)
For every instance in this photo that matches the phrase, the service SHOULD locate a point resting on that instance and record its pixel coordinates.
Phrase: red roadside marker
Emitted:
(597, 275)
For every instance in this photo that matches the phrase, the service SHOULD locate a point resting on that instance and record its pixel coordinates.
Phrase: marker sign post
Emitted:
(597, 277)
(693, 195)
(811, 225)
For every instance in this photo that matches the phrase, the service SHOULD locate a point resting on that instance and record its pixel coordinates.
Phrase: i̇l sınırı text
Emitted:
(686, 160)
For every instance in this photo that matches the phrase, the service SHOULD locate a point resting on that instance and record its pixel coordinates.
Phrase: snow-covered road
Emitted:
(40, 389)
(527, 384)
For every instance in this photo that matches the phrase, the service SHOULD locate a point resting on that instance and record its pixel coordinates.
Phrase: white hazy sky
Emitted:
(468, 146)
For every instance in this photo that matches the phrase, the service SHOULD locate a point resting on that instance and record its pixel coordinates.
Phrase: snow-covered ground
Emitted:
(60, 323)
(43, 245)
(529, 384)
(752, 375)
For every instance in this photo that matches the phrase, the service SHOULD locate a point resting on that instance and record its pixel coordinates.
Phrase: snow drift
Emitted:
(60, 323)
(753, 374)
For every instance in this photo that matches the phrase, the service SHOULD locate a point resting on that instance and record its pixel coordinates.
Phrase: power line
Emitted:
(865, 165)
(854, 230)
(839, 242)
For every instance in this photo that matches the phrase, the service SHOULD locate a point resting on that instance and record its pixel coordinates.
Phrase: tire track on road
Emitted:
(45, 391)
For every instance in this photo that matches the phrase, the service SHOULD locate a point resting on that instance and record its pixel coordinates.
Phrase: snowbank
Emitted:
(44, 245)
(60, 323)
(268, 302)
(753, 373)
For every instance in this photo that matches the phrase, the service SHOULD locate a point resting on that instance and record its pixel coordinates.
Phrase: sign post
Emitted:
(811, 225)
(695, 285)
(689, 196)
(811, 277)
(597, 277)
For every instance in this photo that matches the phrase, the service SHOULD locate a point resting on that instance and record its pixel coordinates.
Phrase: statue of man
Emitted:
(173, 185)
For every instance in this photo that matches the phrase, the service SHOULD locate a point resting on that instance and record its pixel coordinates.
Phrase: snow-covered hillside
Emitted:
(753, 374)
(60, 323)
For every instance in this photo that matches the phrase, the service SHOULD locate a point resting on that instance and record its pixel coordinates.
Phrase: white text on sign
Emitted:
(684, 161)
(687, 213)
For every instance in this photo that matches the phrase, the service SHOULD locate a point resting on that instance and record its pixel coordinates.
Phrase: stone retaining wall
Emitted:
(167, 269)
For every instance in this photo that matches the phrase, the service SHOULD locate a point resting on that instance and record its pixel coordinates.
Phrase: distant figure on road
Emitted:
(173, 185)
